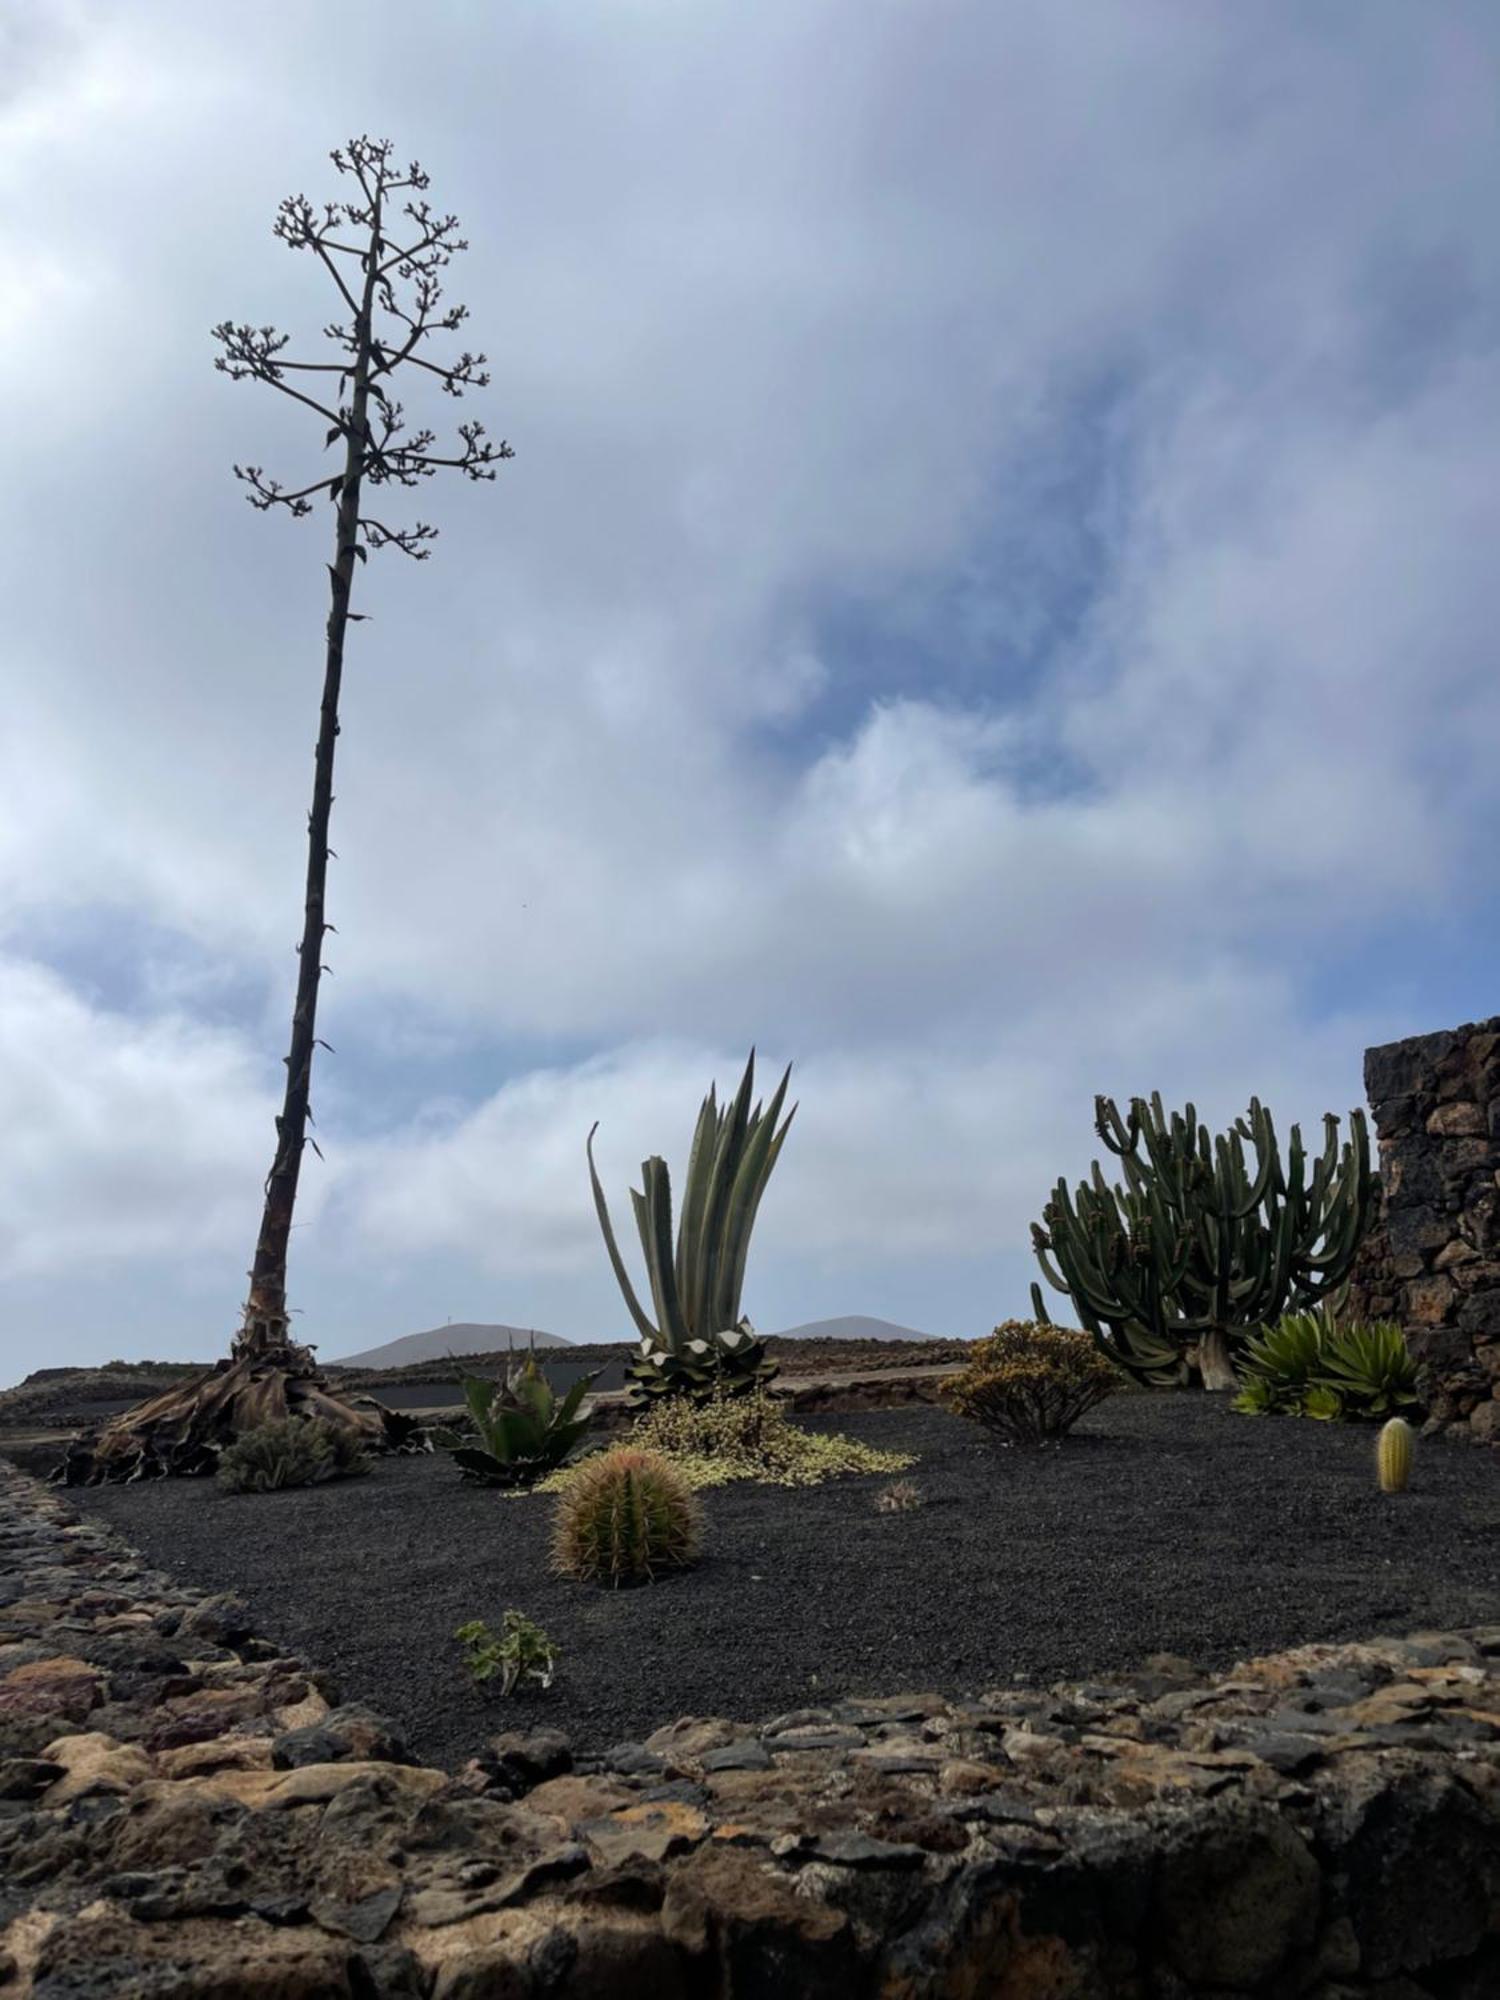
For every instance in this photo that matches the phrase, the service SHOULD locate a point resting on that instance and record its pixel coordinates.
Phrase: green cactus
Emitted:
(699, 1341)
(1393, 1455)
(1172, 1270)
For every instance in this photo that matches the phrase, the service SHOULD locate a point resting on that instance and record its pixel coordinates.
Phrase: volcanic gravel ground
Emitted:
(1166, 1523)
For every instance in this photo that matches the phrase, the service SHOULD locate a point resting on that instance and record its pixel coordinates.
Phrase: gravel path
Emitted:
(1165, 1524)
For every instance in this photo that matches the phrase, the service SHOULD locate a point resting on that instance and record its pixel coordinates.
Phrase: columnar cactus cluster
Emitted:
(1203, 1243)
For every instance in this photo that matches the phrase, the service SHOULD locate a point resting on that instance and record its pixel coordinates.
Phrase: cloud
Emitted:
(126, 1140)
(992, 595)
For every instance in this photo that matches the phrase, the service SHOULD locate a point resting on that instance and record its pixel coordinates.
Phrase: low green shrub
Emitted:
(1030, 1382)
(522, 1653)
(625, 1515)
(1306, 1365)
(751, 1436)
(520, 1431)
(296, 1451)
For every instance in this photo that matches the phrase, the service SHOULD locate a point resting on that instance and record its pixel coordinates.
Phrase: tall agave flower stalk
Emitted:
(699, 1340)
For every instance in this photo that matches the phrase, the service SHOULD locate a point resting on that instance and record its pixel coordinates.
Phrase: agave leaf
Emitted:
(479, 1395)
(750, 1179)
(622, 1276)
(731, 1140)
(654, 1215)
(567, 1435)
(694, 1197)
(745, 1207)
(567, 1409)
(483, 1465)
(534, 1390)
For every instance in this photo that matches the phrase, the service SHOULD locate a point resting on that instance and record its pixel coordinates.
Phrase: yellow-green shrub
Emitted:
(1030, 1383)
(751, 1437)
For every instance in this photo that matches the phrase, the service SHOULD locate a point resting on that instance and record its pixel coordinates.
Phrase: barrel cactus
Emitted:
(624, 1516)
(699, 1342)
(1204, 1241)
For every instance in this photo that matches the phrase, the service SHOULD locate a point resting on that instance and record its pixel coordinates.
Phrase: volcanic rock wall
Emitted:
(183, 1816)
(1433, 1260)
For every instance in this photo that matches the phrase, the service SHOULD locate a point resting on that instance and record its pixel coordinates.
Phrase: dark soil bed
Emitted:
(1164, 1524)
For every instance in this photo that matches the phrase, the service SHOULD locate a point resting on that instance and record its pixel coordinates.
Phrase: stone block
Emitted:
(1459, 1119)
(1429, 1300)
(1416, 1228)
(1443, 1349)
(1479, 1315)
(1393, 1117)
(1455, 1252)
(1461, 1157)
(1237, 1899)
(1409, 1174)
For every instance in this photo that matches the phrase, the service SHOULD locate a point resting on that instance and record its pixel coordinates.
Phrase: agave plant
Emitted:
(1282, 1362)
(1307, 1365)
(699, 1340)
(1371, 1365)
(522, 1431)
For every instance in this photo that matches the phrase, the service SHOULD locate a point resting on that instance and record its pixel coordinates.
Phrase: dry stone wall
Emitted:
(187, 1813)
(1433, 1260)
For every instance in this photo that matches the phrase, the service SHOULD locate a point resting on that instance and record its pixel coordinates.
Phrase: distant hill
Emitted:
(854, 1326)
(462, 1336)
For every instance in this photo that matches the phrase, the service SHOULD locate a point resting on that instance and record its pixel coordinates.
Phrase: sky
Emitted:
(993, 602)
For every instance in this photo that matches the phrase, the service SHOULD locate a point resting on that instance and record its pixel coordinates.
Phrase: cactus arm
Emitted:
(622, 1276)
(1112, 1129)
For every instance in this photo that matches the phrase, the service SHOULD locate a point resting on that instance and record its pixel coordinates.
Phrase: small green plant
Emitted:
(902, 1496)
(1393, 1454)
(750, 1436)
(1322, 1404)
(626, 1515)
(523, 1652)
(1030, 1383)
(294, 1451)
(521, 1430)
(1306, 1365)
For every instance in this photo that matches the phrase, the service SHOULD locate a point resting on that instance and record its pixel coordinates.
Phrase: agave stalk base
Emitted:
(182, 1431)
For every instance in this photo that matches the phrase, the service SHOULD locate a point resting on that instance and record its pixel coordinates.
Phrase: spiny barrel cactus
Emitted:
(1393, 1455)
(626, 1515)
(1202, 1244)
(698, 1340)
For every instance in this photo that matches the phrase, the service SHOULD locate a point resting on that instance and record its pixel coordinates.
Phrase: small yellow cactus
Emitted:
(1393, 1454)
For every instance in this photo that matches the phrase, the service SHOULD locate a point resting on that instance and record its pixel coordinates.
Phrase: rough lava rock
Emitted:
(185, 1816)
